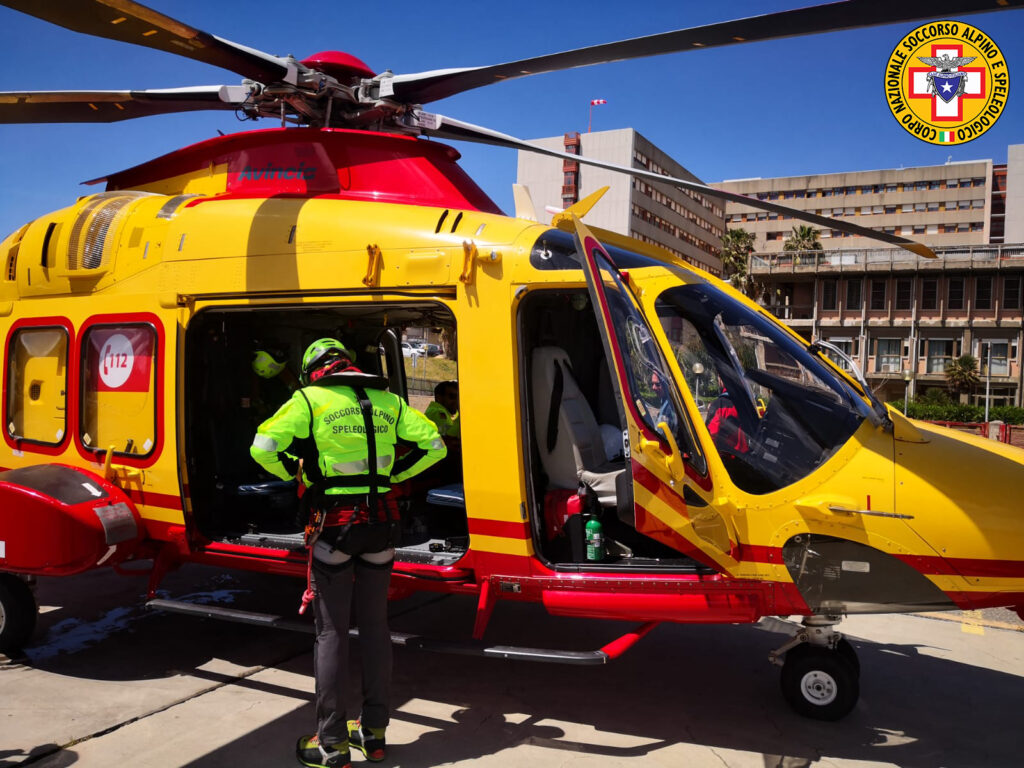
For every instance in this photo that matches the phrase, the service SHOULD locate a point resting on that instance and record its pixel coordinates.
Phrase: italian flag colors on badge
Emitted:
(947, 137)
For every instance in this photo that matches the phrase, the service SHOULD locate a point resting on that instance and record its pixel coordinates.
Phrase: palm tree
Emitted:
(962, 374)
(737, 245)
(804, 238)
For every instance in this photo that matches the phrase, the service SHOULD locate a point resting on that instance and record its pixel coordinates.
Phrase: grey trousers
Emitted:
(335, 586)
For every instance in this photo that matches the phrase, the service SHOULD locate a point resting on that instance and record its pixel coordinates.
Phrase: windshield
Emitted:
(774, 411)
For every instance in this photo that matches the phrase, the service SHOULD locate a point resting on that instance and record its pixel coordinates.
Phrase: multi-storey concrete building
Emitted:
(900, 317)
(962, 203)
(687, 224)
(903, 318)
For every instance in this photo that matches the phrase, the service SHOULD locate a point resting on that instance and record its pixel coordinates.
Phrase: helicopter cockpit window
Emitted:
(37, 366)
(119, 389)
(774, 411)
(651, 387)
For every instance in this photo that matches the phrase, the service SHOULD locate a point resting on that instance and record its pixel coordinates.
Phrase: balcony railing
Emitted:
(884, 259)
(792, 311)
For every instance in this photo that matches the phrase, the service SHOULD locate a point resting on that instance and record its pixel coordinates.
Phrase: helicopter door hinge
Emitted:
(470, 254)
(625, 443)
(374, 261)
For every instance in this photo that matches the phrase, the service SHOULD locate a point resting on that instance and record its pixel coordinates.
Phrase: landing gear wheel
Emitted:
(17, 612)
(845, 649)
(820, 683)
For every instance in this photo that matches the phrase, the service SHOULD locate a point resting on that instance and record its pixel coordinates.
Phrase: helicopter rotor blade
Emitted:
(424, 87)
(444, 127)
(113, 106)
(130, 22)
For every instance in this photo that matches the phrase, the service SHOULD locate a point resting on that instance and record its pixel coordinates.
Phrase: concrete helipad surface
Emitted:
(109, 684)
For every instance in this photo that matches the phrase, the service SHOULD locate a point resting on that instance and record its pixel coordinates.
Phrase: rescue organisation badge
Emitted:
(947, 82)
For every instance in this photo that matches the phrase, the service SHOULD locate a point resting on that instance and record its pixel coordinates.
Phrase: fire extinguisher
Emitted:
(595, 540)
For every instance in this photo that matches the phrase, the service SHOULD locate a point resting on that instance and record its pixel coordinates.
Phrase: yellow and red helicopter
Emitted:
(586, 362)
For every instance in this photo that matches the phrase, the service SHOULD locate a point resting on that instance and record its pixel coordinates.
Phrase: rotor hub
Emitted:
(343, 67)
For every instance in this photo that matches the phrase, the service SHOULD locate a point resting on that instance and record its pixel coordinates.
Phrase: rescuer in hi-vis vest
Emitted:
(344, 425)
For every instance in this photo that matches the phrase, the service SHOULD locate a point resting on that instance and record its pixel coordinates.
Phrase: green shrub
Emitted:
(933, 409)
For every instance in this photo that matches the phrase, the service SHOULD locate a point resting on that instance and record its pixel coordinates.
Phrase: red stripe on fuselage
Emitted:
(153, 499)
(964, 566)
(501, 528)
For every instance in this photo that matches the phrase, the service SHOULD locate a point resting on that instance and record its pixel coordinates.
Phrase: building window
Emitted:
(983, 293)
(904, 286)
(930, 293)
(853, 298)
(955, 296)
(37, 370)
(999, 360)
(1011, 293)
(118, 404)
(940, 354)
(878, 294)
(828, 294)
(848, 348)
(890, 209)
(888, 356)
(933, 206)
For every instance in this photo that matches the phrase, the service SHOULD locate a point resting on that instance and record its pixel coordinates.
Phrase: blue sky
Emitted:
(803, 105)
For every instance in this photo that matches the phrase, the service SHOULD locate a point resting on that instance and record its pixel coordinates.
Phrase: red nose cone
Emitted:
(344, 67)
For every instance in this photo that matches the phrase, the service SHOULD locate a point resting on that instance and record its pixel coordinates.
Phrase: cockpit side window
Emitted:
(651, 387)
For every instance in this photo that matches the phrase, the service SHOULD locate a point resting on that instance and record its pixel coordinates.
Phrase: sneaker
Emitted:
(311, 752)
(369, 741)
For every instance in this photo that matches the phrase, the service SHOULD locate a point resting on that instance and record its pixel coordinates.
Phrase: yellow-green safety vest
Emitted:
(447, 422)
(326, 422)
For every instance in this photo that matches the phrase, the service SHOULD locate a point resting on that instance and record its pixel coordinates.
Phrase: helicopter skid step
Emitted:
(603, 655)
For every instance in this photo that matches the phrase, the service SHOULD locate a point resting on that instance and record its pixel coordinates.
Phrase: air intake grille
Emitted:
(12, 263)
(88, 244)
(170, 208)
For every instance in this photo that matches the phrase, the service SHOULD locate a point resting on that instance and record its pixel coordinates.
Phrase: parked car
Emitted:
(432, 350)
(408, 350)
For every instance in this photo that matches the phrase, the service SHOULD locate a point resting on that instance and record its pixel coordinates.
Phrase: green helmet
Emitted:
(321, 352)
(267, 363)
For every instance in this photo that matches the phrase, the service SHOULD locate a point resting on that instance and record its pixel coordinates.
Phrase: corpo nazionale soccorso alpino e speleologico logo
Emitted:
(947, 82)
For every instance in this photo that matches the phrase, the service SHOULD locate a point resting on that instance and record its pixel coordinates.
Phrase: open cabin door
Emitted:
(666, 465)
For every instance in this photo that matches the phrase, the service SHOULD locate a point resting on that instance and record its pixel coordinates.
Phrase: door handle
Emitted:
(673, 460)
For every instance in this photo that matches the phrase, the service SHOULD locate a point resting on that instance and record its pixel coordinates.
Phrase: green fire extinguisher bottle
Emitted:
(595, 540)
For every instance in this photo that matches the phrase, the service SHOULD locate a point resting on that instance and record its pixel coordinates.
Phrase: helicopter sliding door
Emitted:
(664, 458)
